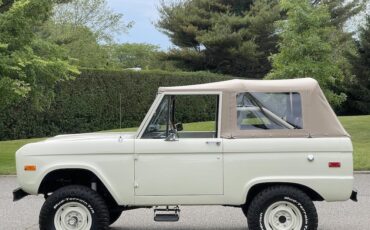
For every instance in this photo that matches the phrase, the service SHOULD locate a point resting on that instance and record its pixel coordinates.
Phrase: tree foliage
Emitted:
(130, 55)
(79, 42)
(307, 47)
(83, 28)
(92, 14)
(232, 37)
(358, 87)
(29, 66)
(342, 10)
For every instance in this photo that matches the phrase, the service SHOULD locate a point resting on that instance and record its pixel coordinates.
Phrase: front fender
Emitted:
(116, 172)
(32, 186)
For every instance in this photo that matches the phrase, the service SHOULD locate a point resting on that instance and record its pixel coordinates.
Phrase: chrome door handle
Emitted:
(213, 142)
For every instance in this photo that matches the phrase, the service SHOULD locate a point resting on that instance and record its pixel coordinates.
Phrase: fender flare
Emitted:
(294, 181)
(81, 166)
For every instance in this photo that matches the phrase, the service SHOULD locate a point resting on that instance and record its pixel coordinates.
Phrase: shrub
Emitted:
(93, 102)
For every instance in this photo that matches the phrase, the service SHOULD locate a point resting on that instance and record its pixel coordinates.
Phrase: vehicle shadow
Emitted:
(177, 228)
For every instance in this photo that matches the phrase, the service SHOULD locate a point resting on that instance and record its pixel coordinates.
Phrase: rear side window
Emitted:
(256, 110)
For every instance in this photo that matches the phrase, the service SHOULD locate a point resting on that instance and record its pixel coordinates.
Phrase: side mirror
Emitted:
(179, 127)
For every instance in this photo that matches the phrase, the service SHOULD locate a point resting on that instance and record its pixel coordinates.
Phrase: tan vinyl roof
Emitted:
(319, 120)
(238, 85)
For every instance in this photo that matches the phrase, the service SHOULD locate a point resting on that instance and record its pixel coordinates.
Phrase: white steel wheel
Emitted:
(72, 216)
(74, 207)
(281, 207)
(283, 215)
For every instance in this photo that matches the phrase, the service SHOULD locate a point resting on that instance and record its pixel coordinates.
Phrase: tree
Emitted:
(29, 66)
(135, 55)
(233, 37)
(81, 27)
(92, 14)
(358, 87)
(307, 48)
(342, 10)
(79, 43)
(5, 5)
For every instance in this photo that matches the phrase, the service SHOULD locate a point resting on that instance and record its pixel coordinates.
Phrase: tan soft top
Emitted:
(319, 120)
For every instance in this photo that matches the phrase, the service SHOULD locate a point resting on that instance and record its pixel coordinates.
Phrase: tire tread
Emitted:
(266, 194)
(78, 191)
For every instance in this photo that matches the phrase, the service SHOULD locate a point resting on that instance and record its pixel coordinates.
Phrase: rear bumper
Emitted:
(354, 195)
(19, 194)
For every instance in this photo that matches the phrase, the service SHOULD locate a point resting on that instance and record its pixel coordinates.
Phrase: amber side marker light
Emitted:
(30, 168)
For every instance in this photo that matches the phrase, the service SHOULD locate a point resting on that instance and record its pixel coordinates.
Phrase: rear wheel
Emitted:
(282, 208)
(74, 207)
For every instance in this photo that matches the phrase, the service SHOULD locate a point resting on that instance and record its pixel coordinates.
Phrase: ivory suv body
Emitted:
(268, 147)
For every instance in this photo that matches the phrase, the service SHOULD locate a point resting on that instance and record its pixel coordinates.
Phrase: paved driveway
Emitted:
(332, 216)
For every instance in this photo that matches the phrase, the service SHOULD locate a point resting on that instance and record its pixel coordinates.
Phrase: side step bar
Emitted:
(167, 214)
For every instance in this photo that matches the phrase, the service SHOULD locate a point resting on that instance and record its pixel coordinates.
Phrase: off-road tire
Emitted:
(271, 195)
(75, 193)
(114, 216)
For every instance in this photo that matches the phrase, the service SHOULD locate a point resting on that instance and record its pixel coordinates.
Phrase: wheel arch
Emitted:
(315, 196)
(285, 201)
(60, 177)
(256, 188)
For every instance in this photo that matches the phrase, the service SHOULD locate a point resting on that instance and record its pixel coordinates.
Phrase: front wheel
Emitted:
(74, 207)
(282, 208)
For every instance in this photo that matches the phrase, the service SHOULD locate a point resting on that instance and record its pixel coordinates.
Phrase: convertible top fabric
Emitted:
(319, 120)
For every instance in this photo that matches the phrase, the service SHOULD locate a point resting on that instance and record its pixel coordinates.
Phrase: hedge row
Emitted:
(93, 102)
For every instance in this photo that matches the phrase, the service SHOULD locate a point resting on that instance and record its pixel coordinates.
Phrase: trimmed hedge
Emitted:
(92, 103)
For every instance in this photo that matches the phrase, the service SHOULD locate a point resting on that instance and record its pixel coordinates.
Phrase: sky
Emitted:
(143, 13)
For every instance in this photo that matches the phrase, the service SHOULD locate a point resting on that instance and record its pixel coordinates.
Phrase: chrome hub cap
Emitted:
(72, 216)
(283, 215)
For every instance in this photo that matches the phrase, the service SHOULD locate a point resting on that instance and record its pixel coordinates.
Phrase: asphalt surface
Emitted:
(332, 216)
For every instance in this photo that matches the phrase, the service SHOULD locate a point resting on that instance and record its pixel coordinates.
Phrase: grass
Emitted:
(359, 129)
(7, 154)
(196, 126)
(357, 126)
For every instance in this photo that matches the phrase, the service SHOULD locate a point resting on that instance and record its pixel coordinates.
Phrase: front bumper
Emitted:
(354, 195)
(19, 194)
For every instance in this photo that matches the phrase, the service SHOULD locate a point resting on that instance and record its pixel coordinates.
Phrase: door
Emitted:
(175, 161)
(184, 167)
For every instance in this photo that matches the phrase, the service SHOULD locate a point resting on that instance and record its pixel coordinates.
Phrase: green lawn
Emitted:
(197, 126)
(357, 126)
(359, 129)
(7, 154)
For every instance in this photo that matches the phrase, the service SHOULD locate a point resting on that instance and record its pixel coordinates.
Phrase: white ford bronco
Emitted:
(270, 147)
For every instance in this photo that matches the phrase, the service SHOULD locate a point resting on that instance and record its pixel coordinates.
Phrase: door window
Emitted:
(189, 116)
